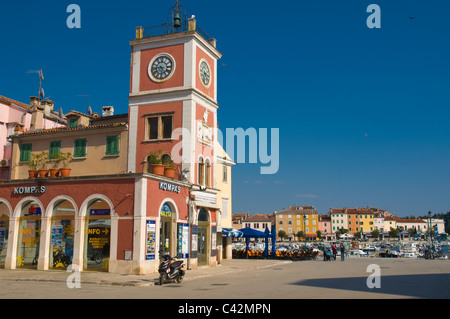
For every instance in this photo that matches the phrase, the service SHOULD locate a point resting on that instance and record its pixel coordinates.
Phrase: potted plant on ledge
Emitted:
(54, 161)
(155, 161)
(65, 159)
(169, 170)
(41, 159)
(32, 166)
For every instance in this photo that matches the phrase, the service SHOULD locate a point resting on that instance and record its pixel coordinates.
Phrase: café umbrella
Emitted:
(231, 232)
(250, 233)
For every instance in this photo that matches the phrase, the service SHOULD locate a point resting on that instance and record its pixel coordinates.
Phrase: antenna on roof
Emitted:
(60, 113)
(89, 110)
(41, 78)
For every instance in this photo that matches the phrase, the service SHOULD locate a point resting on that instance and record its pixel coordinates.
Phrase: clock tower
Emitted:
(174, 90)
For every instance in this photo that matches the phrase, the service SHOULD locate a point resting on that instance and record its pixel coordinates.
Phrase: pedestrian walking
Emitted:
(334, 250)
(342, 251)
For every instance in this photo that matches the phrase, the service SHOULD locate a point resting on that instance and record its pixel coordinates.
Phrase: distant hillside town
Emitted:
(306, 223)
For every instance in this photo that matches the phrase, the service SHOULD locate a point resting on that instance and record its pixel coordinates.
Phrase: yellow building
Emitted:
(223, 183)
(99, 146)
(389, 222)
(296, 219)
(366, 221)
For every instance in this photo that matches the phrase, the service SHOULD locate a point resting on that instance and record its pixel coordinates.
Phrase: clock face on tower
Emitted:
(161, 67)
(205, 73)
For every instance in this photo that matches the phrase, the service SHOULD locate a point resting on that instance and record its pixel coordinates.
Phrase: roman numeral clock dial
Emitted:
(161, 67)
(205, 73)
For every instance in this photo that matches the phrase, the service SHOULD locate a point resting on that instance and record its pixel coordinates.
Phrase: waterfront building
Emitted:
(325, 227)
(439, 223)
(258, 222)
(339, 219)
(389, 222)
(405, 225)
(378, 222)
(366, 221)
(353, 220)
(296, 219)
(237, 219)
(115, 212)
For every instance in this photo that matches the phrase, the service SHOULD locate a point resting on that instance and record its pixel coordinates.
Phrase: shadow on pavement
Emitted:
(429, 286)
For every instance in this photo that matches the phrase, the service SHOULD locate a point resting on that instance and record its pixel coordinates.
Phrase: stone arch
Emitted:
(18, 208)
(83, 208)
(50, 206)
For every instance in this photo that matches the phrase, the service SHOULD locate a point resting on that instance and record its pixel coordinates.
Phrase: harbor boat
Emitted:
(388, 254)
(370, 248)
(408, 250)
(357, 253)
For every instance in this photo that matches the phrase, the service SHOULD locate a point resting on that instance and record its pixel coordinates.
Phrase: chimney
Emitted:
(37, 118)
(34, 101)
(108, 111)
(48, 107)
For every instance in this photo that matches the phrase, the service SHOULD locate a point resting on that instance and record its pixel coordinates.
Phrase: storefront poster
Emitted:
(150, 243)
(213, 240)
(2, 237)
(57, 231)
(183, 240)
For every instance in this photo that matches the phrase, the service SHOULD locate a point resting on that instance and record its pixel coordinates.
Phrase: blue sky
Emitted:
(363, 113)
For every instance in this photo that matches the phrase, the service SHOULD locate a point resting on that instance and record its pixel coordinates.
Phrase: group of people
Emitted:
(333, 252)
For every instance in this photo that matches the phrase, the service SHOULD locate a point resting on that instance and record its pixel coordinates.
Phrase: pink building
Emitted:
(325, 225)
(15, 115)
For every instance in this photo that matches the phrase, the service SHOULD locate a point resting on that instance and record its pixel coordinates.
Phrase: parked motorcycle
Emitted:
(171, 269)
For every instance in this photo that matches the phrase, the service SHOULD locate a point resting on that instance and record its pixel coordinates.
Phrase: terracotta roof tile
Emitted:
(11, 101)
(257, 218)
(68, 129)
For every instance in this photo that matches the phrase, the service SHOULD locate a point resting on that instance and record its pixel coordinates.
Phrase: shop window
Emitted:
(183, 240)
(165, 231)
(203, 239)
(80, 145)
(4, 231)
(62, 235)
(112, 145)
(25, 152)
(98, 236)
(29, 235)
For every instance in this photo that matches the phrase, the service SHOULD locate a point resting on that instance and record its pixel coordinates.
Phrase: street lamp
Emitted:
(304, 225)
(430, 227)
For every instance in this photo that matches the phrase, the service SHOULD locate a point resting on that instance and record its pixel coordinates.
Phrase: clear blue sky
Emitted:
(363, 113)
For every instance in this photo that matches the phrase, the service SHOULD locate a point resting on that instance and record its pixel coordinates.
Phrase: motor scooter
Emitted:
(171, 269)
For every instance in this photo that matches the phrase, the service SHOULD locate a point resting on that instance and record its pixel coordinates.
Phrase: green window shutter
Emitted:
(112, 145)
(25, 152)
(73, 123)
(80, 147)
(55, 149)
